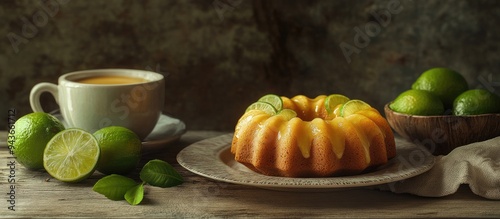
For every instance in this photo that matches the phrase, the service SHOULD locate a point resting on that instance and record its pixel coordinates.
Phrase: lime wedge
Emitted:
(287, 114)
(71, 155)
(353, 106)
(262, 106)
(274, 100)
(333, 101)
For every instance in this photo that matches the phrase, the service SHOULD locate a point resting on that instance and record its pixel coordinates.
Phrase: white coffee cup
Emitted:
(90, 105)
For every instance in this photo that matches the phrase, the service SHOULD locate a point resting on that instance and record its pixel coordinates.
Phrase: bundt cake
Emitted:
(303, 137)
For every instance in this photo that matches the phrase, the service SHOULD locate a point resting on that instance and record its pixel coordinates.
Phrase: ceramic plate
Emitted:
(167, 130)
(212, 158)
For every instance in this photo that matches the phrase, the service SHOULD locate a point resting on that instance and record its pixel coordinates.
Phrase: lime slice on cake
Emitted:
(333, 101)
(353, 106)
(287, 114)
(71, 155)
(262, 106)
(274, 100)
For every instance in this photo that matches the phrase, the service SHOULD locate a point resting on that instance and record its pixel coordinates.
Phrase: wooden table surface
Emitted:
(39, 195)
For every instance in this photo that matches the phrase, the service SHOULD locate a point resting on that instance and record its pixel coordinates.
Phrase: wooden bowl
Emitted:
(442, 134)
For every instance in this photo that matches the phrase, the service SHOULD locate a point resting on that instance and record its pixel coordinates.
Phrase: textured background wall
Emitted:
(221, 55)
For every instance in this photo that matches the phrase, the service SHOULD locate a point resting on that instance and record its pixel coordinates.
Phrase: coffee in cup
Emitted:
(111, 80)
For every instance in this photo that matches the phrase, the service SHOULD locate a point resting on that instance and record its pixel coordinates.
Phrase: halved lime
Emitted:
(334, 100)
(353, 106)
(71, 155)
(274, 100)
(262, 106)
(287, 114)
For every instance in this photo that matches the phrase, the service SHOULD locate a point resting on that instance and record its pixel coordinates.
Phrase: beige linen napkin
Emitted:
(476, 164)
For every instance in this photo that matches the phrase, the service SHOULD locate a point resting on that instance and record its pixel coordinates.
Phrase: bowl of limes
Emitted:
(441, 113)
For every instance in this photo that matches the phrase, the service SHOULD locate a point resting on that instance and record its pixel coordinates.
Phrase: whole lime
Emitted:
(120, 150)
(445, 83)
(475, 102)
(31, 133)
(418, 102)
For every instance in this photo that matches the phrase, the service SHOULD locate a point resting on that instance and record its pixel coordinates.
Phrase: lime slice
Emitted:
(71, 155)
(263, 106)
(274, 100)
(287, 114)
(334, 100)
(353, 106)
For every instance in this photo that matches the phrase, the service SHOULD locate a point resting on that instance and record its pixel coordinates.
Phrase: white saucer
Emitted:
(167, 130)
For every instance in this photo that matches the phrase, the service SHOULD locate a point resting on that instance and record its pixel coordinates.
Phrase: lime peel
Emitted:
(418, 102)
(446, 83)
(31, 133)
(476, 102)
(120, 150)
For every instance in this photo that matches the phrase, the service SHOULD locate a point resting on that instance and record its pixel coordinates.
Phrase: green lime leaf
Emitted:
(160, 173)
(135, 194)
(114, 186)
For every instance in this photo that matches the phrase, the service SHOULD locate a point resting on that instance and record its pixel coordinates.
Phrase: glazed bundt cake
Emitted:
(303, 137)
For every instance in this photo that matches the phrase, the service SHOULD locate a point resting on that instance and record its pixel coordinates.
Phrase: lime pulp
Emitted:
(71, 155)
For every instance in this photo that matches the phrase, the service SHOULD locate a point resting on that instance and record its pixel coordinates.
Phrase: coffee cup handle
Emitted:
(37, 91)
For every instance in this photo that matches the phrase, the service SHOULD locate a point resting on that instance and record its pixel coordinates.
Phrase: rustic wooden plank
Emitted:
(39, 195)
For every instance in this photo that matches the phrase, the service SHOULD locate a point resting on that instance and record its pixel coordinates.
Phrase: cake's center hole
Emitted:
(309, 115)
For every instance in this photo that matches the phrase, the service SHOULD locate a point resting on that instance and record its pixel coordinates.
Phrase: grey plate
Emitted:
(212, 158)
